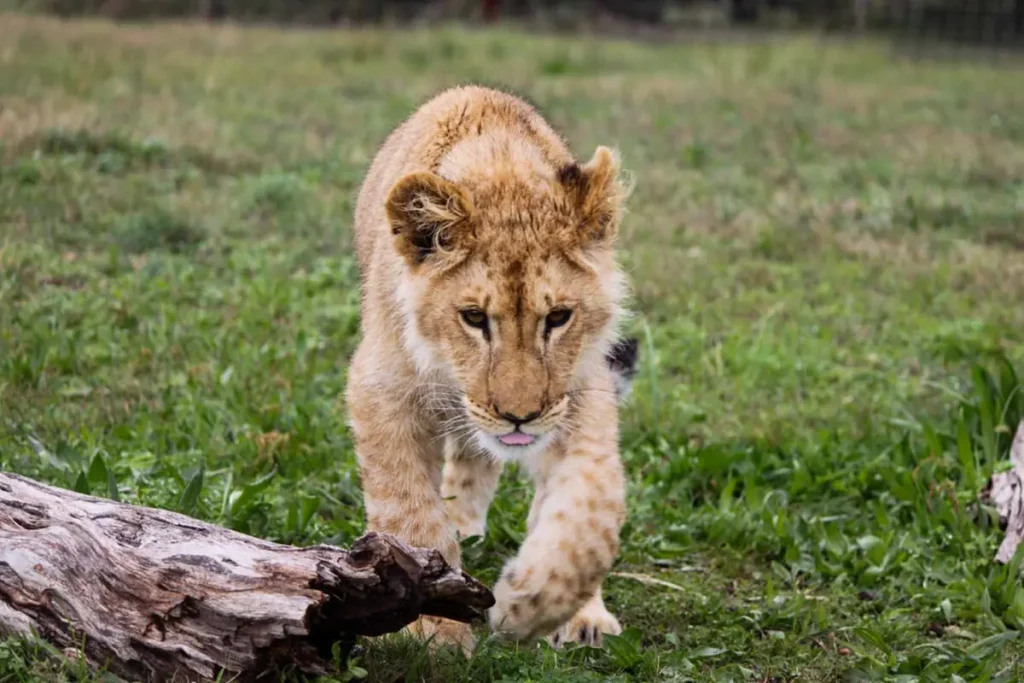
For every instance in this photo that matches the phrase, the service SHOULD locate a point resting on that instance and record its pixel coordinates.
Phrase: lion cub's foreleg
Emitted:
(573, 535)
(588, 626)
(400, 467)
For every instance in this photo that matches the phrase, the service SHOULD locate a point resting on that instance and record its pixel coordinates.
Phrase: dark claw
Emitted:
(596, 635)
(557, 638)
(583, 634)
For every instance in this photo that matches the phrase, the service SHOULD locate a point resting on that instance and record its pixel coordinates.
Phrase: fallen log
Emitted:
(156, 596)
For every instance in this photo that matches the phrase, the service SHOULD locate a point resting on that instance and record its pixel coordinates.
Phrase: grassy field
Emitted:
(827, 252)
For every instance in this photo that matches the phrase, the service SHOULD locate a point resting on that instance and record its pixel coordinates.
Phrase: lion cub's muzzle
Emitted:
(515, 431)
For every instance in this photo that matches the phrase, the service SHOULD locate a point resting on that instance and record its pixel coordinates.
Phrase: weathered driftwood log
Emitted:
(157, 596)
(1005, 491)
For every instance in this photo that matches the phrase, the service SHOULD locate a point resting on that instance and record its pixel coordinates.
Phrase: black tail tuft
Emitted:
(622, 359)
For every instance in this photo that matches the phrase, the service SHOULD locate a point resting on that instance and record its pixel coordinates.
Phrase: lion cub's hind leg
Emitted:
(468, 485)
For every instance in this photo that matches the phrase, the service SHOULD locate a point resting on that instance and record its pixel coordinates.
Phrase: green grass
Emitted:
(827, 252)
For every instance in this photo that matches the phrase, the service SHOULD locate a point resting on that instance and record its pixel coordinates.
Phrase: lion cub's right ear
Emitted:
(428, 215)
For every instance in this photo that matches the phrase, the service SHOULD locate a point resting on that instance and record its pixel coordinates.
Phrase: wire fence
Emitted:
(987, 24)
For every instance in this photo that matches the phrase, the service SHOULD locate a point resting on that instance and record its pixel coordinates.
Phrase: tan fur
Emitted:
(475, 204)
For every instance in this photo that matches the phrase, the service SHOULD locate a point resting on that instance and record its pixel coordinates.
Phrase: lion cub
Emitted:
(491, 297)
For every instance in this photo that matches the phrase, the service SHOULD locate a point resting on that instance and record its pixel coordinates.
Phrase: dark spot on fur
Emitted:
(514, 269)
(609, 537)
(515, 273)
(571, 176)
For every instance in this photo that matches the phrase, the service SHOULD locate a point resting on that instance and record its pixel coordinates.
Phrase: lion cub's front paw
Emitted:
(524, 612)
(438, 632)
(587, 627)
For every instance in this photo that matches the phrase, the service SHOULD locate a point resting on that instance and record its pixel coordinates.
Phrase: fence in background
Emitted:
(984, 23)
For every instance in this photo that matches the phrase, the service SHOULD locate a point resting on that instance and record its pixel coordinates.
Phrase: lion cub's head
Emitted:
(511, 288)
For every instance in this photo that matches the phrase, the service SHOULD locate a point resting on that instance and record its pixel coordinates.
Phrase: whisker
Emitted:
(458, 427)
(573, 392)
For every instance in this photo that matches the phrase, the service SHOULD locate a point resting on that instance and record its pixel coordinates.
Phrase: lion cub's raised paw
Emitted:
(438, 632)
(587, 627)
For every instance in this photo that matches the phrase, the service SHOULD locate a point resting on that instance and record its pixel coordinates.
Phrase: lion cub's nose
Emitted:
(518, 420)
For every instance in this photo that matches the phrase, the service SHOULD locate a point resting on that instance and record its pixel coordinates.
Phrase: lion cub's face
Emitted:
(512, 289)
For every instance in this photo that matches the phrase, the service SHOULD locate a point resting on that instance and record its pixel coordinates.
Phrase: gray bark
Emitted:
(157, 596)
(1005, 491)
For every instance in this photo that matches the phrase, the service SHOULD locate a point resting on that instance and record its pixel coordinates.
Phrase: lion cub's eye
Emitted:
(474, 317)
(557, 318)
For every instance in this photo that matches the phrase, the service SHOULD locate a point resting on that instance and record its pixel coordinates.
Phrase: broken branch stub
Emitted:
(1005, 491)
(153, 595)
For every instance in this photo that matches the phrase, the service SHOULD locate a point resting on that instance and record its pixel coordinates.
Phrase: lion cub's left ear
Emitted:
(599, 194)
(428, 215)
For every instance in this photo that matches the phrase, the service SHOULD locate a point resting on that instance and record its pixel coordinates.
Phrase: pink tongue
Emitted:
(516, 439)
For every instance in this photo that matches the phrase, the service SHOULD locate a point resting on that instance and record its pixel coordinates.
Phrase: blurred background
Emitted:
(967, 22)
